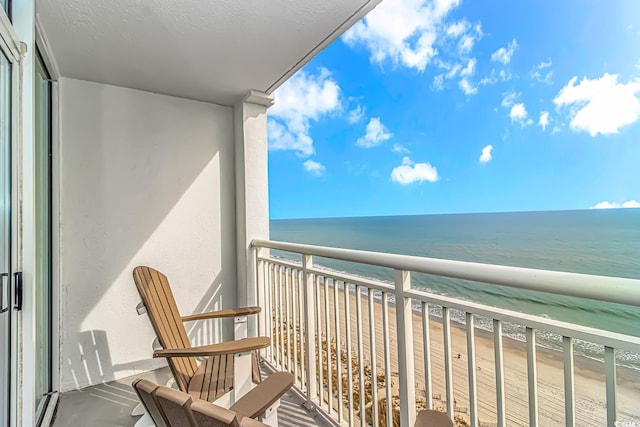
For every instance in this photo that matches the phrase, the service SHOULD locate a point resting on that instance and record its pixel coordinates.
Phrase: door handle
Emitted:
(4, 298)
(17, 290)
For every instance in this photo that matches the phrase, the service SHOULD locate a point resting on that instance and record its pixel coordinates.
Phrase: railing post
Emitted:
(309, 329)
(406, 371)
(261, 283)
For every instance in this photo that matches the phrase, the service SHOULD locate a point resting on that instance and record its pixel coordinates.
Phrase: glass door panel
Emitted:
(43, 235)
(6, 5)
(5, 238)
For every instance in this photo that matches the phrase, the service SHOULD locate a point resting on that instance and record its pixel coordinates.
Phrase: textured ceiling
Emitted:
(209, 50)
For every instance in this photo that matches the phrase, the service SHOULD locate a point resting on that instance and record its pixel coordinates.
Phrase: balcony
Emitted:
(482, 365)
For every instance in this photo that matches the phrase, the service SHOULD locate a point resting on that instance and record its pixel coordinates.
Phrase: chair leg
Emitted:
(145, 421)
(242, 383)
(270, 416)
(138, 410)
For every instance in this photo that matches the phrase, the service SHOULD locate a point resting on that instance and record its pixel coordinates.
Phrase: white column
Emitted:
(252, 191)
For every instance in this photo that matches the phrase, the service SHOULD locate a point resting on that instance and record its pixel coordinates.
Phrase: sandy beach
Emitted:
(589, 374)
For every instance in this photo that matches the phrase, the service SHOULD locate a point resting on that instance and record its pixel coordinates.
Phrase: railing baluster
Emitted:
(287, 315)
(611, 379)
(387, 357)
(347, 327)
(318, 319)
(327, 328)
(532, 375)
(569, 392)
(448, 371)
(406, 371)
(310, 332)
(471, 369)
(338, 349)
(359, 340)
(302, 330)
(374, 364)
(498, 358)
(426, 346)
(272, 314)
(268, 309)
(262, 300)
(281, 314)
(293, 329)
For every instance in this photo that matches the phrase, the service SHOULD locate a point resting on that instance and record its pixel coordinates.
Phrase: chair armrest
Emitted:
(232, 312)
(250, 422)
(229, 347)
(265, 394)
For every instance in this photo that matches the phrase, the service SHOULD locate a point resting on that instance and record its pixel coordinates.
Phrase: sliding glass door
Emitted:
(43, 156)
(5, 239)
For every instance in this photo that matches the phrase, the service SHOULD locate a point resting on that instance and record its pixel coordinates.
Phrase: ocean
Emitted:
(599, 242)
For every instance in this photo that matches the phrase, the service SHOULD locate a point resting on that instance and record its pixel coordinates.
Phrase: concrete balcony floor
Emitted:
(110, 404)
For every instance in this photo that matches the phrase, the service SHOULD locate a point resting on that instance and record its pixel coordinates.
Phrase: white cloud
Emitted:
(438, 83)
(486, 156)
(544, 120)
(376, 134)
(313, 167)
(458, 28)
(299, 101)
(403, 31)
(602, 105)
(453, 70)
(495, 76)
(409, 172)
(519, 113)
(509, 98)
(466, 44)
(356, 114)
(470, 69)
(608, 205)
(399, 148)
(467, 87)
(540, 76)
(504, 54)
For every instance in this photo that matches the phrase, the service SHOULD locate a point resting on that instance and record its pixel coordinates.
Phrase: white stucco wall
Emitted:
(145, 179)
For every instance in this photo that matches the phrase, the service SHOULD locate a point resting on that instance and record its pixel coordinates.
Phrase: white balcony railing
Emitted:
(345, 362)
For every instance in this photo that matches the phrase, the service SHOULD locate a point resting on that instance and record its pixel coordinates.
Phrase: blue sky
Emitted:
(452, 106)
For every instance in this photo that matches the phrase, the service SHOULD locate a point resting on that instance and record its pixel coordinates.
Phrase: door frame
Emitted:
(11, 48)
(50, 64)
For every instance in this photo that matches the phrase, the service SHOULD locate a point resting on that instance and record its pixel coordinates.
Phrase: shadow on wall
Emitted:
(146, 179)
(95, 355)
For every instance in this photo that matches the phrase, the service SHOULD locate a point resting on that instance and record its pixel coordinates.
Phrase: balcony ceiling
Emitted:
(209, 50)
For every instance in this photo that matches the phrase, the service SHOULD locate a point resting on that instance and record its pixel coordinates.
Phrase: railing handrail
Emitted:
(601, 288)
(561, 328)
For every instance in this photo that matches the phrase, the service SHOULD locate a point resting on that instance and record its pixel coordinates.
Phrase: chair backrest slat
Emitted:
(144, 389)
(176, 407)
(158, 299)
(209, 415)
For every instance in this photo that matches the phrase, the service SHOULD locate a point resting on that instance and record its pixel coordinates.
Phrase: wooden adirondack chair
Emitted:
(173, 408)
(227, 364)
